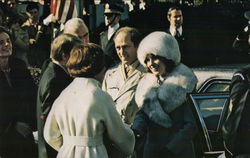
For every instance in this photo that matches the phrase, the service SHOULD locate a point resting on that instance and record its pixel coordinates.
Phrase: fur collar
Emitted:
(157, 100)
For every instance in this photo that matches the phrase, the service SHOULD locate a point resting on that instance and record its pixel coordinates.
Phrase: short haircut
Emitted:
(86, 60)
(135, 35)
(74, 25)
(173, 8)
(32, 5)
(62, 45)
(4, 30)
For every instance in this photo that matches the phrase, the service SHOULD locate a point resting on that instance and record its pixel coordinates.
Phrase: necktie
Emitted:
(177, 33)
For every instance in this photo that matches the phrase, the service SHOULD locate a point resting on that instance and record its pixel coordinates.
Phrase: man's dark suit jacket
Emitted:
(54, 79)
(189, 47)
(108, 47)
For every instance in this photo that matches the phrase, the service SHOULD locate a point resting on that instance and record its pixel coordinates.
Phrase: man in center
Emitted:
(121, 80)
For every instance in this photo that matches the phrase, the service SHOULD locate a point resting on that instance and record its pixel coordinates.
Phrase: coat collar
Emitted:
(131, 68)
(157, 100)
(131, 81)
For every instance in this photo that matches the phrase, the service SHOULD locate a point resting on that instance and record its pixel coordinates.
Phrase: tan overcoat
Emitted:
(122, 90)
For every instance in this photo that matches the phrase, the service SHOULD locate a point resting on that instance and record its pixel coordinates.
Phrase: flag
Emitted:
(64, 10)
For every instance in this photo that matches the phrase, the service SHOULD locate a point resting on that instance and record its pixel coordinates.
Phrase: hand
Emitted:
(49, 19)
(32, 41)
(23, 129)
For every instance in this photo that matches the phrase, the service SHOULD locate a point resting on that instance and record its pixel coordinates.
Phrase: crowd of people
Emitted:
(124, 96)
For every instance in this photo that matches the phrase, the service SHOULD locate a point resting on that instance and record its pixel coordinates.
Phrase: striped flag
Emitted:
(64, 10)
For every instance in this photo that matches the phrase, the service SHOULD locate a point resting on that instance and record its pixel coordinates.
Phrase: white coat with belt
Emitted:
(79, 118)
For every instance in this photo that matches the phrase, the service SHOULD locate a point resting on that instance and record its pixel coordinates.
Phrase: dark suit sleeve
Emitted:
(52, 91)
(140, 123)
(239, 94)
(139, 128)
(238, 91)
(238, 87)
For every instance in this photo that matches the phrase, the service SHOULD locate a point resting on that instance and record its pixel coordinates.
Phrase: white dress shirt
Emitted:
(112, 30)
(172, 30)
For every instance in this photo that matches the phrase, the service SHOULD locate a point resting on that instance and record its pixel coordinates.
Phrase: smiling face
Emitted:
(155, 65)
(125, 48)
(5, 45)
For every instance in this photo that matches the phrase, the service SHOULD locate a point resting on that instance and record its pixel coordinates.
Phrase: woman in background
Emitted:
(17, 104)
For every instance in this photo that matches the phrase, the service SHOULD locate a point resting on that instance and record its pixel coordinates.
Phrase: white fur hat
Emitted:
(161, 44)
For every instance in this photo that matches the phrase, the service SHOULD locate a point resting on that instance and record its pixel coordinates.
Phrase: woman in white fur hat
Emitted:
(164, 118)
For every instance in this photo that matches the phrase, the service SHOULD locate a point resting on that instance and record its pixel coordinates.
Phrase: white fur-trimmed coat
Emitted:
(170, 94)
(164, 117)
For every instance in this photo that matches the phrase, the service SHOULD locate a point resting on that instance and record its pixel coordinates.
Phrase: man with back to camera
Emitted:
(112, 16)
(54, 79)
(121, 80)
(76, 27)
(236, 128)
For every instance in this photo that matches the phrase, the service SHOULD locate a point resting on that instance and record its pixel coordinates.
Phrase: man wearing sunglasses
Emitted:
(112, 16)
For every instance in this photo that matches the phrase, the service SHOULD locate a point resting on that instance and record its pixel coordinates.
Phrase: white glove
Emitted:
(222, 155)
(49, 19)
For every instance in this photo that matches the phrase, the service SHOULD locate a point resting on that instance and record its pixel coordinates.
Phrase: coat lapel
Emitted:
(132, 81)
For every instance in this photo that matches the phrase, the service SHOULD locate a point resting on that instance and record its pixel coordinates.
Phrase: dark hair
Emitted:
(170, 64)
(62, 45)
(1, 12)
(32, 5)
(4, 30)
(85, 60)
(135, 35)
(173, 8)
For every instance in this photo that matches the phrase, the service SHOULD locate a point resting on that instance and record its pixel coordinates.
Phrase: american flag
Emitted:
(64, 10)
